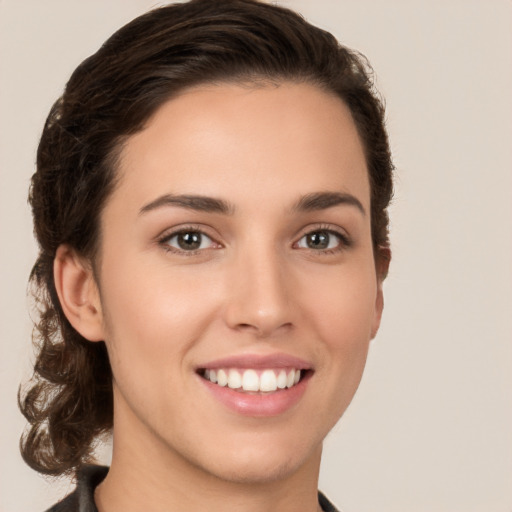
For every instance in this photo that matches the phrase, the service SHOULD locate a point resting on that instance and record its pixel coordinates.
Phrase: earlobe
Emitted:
(78, 293)
(382, 267)
(379, 306)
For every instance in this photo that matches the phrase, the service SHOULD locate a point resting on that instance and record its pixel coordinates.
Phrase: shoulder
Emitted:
(68, 504)
(325, 504)
(82, 498)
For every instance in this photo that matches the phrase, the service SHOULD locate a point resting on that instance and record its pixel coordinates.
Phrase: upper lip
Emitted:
(278, 360)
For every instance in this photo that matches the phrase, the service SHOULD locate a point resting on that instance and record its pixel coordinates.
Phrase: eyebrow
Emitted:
(191, 202)
(310, 202)
(323, 200)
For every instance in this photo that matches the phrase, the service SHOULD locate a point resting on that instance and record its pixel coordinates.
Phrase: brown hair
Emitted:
(108, 98)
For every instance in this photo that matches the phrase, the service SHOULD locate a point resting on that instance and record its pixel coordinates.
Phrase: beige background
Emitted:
(431, 426)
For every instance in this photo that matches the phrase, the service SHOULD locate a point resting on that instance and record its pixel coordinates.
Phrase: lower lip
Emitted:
(258, 404)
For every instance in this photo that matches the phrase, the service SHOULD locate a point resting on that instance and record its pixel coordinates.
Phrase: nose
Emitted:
(259, 299)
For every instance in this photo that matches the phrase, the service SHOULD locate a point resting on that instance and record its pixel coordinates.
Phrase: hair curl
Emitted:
(108, 98)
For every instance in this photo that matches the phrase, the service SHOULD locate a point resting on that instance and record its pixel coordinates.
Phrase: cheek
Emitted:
(153, 317)
(344, 315)
(345, 308)
(152, 321)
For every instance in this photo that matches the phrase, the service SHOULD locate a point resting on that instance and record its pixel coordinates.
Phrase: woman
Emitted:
(210, 203)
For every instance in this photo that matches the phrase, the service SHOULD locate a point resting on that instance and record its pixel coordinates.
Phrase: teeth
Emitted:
(290, 379)
(222, 378)
(252, 380)
(268, 381)
(281, 380)
(234, 379)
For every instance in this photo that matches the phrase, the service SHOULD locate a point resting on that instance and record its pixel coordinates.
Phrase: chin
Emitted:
(256, 472)
(262, 466)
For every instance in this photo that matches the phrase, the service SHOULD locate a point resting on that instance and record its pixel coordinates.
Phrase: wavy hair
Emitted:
(68, 403)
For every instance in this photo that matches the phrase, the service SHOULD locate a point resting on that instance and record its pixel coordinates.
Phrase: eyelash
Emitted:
(164, 240)
(344, 242)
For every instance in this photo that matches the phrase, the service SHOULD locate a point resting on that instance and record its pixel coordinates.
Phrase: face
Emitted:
(237, 279)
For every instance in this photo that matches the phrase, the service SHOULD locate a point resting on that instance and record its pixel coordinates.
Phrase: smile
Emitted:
(254, 380)
(257, 385)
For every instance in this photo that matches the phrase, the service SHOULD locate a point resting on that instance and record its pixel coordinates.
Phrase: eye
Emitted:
(322, 240)
(189, 240)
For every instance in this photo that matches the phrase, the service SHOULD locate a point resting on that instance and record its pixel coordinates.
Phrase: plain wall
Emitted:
(430, 428)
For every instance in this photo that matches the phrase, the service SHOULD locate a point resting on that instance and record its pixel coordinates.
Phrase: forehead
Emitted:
(274, 139)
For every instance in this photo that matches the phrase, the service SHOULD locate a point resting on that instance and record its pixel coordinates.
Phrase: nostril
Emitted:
(264, 330)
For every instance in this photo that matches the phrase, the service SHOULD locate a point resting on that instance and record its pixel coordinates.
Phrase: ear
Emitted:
(382, 261)
(78, 293)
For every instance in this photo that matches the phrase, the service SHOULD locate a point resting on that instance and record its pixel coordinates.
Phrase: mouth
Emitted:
(254, 380)
(257, 385)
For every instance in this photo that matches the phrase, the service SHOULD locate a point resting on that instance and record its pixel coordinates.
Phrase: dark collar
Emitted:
(82, 498)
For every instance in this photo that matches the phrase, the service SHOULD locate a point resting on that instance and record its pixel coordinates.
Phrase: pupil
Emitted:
(189, 241)
(318, 240)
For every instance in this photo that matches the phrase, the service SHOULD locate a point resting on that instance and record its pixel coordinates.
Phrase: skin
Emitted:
(254, 287)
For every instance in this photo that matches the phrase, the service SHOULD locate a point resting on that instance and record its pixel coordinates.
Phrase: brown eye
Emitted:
(321, 240)
(189, 241)
(318, 240)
